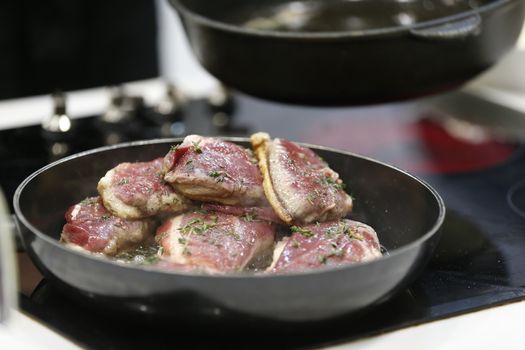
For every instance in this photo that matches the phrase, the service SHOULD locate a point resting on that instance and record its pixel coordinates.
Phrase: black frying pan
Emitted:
(376, 51)
(406, 213)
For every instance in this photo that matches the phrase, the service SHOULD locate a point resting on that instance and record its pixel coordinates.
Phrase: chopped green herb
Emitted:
(303, 231)
(353, 232)
(123, 181)
(217, 175)
(344, 229)
(330, 181)
(160, 236)
(311, 196)
(249, 217)
(335, 252)
(182, 240)
(89, 201)
(235, 235)
(195, 146)
(105, 217)
(173, 148)
(198, 226)
(189, 162)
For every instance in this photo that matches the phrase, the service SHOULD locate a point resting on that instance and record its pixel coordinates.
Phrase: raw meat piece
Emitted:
(92, 227)
(138, 190)
(214, 242)
(213, 170)
(320, 245)
(298, 184)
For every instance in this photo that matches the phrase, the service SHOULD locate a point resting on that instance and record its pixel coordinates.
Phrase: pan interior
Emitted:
(401, 208)
(328, 15)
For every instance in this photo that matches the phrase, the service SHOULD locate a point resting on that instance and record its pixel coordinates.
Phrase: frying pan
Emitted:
(405, 211)
(396, 49)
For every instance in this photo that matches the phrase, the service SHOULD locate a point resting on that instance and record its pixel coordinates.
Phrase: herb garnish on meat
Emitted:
(330, 181)
(195, 145)
(219, 176)
(323, 258)
(89, 201)
(249, 217)
(198, 226)
(305, 232)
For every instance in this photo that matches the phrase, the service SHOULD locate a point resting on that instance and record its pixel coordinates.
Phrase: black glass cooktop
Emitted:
(479, 263)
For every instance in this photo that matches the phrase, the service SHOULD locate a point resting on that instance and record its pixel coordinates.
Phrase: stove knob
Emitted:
(170, 106)
(167, 116)
(57, 130)
(121, 120)
(221, 100)
(58, 123)
(222, 106)
(121, 107)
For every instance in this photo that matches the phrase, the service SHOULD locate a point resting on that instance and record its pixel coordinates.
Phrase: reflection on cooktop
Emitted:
(516, 198)
(98, 328)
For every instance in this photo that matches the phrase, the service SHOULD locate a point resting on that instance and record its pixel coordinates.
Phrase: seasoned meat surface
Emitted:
(214, 242)
(213, 170)
(317, 246)
(299, 185)
(90, 226)
(247, 213)
(138, 190)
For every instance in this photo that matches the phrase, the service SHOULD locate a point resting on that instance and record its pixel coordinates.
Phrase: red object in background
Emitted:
(421, 146)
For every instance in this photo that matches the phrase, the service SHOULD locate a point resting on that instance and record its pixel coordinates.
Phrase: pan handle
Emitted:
(451, 30)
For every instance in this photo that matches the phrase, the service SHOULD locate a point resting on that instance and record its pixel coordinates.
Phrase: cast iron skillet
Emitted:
(390, 50)
(406, 213)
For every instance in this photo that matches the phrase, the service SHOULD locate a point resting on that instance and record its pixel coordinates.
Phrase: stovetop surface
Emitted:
(479, 262)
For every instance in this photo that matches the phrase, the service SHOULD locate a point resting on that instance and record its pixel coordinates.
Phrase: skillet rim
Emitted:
(236, 276)
(377, 32)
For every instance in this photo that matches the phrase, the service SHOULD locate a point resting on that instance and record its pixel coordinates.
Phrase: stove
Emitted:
(480, 173)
